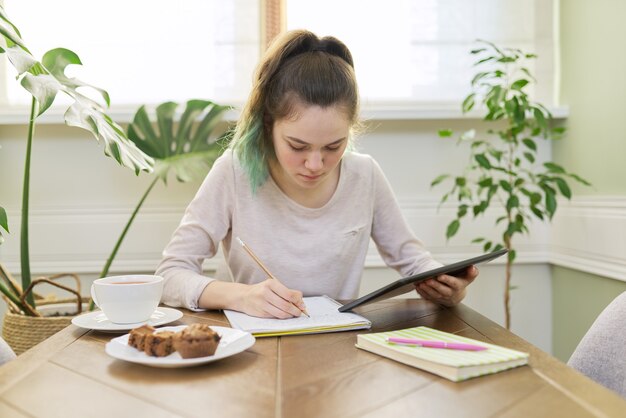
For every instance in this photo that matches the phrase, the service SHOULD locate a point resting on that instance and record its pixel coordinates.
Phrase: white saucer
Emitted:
(96, 320)
(233, 341)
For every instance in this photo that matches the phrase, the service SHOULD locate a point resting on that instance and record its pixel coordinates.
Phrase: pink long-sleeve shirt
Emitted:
(318, 251)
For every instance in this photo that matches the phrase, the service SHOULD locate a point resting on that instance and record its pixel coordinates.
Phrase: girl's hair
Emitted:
(299, 67)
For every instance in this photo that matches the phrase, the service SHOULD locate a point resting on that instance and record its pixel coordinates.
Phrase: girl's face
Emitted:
(309, 148)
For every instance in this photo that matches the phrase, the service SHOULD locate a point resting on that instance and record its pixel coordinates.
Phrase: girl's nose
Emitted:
(314, 161)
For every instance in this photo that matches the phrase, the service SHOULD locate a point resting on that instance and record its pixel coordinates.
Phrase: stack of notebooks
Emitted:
(455, 365)
(324, 316)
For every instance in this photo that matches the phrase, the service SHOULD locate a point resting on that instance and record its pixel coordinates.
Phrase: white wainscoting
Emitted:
(589, 234)
(79, 239)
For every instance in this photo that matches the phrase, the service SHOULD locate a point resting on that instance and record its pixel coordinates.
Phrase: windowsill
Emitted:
(400, 111)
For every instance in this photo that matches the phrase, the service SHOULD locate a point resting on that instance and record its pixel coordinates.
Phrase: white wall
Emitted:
(80, 201)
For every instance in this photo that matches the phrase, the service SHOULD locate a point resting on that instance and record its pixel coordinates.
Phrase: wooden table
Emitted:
(70, 375)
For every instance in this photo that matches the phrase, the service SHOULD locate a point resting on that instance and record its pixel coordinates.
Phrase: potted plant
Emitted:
(188, 148)
(504, 172)
(44, 80)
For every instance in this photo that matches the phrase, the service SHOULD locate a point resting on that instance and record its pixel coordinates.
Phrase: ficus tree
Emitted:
(504, 173)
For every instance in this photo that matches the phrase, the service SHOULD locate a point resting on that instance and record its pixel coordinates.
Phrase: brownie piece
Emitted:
(137, 336)
(197, 340)
(159, 344)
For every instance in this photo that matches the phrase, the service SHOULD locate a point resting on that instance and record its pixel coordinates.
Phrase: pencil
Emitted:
(265, 269)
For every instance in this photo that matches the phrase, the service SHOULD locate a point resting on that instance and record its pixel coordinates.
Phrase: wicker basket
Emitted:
(22, 331)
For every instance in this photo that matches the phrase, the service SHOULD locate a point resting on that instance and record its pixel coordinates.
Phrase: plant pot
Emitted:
(22, 332)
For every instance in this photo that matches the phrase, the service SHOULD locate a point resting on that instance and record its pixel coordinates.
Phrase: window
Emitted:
(405, 51)
(418, 51)
(145, 51)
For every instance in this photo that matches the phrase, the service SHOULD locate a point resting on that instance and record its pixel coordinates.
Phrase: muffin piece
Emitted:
(197, 340)
(137, 336)
(159, 344)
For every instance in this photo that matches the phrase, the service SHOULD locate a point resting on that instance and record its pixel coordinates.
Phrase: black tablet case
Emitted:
(406, 284)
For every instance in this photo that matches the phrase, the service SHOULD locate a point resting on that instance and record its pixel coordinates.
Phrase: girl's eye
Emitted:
(333, 148)
(296, 148)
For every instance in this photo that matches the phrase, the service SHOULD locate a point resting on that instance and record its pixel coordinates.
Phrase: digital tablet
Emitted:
(406, 284)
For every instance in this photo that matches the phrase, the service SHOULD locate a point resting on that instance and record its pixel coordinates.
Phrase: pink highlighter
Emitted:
(436, 344)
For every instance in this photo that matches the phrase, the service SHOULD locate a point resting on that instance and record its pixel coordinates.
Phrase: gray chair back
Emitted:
(601, 354)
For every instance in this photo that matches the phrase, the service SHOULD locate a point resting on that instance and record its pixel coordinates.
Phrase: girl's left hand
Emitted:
(446, 290)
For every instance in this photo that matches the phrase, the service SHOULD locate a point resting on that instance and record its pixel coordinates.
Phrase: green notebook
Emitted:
(455, 365)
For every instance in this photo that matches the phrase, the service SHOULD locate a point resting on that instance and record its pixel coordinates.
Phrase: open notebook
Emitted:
(324, 317)
(455, 365)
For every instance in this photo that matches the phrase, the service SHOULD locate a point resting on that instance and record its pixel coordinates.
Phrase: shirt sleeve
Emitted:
(398, 246)
(204, 225)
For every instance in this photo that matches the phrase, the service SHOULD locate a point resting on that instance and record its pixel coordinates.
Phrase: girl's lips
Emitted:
(311, 178)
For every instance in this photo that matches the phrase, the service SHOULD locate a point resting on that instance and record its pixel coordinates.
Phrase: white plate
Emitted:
(96, 320)
(233, 341)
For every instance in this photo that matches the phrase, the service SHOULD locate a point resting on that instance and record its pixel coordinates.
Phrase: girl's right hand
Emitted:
(271, 299)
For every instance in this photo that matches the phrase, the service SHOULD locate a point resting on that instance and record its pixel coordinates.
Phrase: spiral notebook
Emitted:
(324, 317)
(455, 365)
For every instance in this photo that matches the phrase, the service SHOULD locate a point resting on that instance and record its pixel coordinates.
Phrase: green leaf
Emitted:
(530, 144)
(487, 246)
(445, 133)
(538, 213)
(519, 84)
(43, 87)
(44, 80)
(484, 60)
(483, 161)
(4, 221)
(563, 187)
(512, 254)
(500, 219)
(468, 103)
(512, 202)
(480, 208)
(477, 51)
(462, 211)
(554, 168)
(9, 31)
(507, 59)
(540, 118)
(530, 157)
(506, 186)
(460, 181)
(439, 179)
(486, 182)
(477, 78)
(453, 228)
(21, 59)
(579, 179)
(188, 148)
(477, 240)
(550, 203)
(535, 198)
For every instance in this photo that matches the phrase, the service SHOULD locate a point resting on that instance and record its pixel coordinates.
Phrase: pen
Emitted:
(265, 269)
(436, 344)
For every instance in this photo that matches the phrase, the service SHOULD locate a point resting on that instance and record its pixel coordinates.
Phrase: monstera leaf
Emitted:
(188, 147)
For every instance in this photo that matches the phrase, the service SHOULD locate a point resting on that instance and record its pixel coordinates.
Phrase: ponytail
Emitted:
(298, 67)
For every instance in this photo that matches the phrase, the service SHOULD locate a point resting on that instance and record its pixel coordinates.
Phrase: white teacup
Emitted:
(127, 299)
